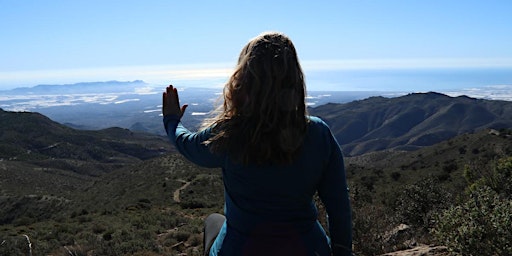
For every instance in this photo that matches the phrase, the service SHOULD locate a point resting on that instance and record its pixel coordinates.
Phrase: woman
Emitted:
(274, 158)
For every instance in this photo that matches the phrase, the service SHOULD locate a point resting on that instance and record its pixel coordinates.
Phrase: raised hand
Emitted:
(171, 102)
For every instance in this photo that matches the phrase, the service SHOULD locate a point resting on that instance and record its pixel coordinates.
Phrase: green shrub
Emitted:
(196, 240)
(13, 246)
(417, 203)
(497, 176)
(481, 224)
(23, 221)
(370, 221)
(182, 236)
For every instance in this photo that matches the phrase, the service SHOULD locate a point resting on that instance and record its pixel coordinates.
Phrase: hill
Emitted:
(116, 192)
(34, 137)
(35, 151)
(383, 173)
(410, 122)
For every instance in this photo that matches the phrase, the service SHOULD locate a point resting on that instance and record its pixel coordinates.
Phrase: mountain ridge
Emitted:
(401, 123)
(410, 121)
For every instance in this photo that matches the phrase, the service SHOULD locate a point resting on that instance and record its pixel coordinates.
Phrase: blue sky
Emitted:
(62, 41)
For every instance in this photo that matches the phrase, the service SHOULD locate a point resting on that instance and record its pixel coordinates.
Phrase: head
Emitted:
(267, 78)
(264, 102)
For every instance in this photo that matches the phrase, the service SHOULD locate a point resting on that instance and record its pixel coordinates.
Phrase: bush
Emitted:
(498, 176)
(416, 204)
(369, 224)
(481, 224)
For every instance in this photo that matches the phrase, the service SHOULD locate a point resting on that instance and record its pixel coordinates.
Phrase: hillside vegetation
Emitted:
(421, 188)
(410, 122)
(116, 192)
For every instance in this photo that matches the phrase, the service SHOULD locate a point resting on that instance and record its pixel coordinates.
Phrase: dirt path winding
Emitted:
(176, 195)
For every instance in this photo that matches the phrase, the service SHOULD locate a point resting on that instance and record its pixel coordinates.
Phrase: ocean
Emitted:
(410, 80)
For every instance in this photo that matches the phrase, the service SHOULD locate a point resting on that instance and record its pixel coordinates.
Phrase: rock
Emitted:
(399, 238)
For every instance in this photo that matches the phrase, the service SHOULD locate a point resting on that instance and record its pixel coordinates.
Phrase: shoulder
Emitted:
(315, 121)
(319, 137)
(318, 127)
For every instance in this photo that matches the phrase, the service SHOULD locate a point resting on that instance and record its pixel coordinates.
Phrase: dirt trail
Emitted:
(176, 195)
(421, 250)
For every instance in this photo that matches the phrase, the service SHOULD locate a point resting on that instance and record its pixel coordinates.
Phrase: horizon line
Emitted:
(156, 74)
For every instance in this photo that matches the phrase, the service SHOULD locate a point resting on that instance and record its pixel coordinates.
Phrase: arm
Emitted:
(189, 144)
(333, 192)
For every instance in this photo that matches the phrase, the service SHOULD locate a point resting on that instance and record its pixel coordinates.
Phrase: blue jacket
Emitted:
(271, 208)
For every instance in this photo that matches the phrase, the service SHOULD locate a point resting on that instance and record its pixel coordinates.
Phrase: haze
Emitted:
(343, 45)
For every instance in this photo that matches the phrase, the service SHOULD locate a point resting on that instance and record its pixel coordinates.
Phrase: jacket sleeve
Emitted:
(191, 144)
(333, 192)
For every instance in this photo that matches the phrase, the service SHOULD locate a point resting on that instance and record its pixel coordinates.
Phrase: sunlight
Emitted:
(151, 74)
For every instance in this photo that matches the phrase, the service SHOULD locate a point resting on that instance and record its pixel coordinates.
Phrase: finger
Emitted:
(170, 95)
(164, 96)
(176, 97)
(183, 108)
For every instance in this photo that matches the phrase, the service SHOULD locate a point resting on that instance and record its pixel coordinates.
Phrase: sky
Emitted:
(168, 41)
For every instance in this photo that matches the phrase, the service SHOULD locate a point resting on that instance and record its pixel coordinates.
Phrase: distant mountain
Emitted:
(85, 87)
(411, 121)
(376, 123)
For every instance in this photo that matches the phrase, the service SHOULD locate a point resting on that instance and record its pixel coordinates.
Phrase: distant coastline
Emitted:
(408, 80)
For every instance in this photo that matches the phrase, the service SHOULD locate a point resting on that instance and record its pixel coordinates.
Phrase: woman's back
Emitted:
(273, 204)
(282, 192)
(273, 156)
